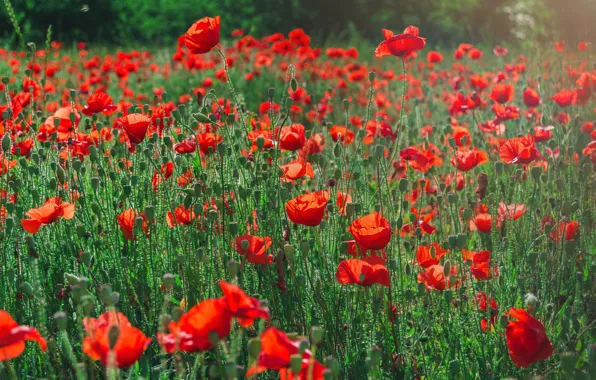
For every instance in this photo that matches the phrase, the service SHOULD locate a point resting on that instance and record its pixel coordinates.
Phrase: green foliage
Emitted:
(157, 21)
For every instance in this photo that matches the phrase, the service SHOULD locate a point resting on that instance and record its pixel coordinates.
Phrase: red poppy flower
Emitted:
(565, 230)
(433, 277)
(526, 339)
(297, 169)
(519, 150)
(208, 142)
(504, 113)
(374, 129)
(512, 212)
(255, 136)
(203, 35)
(500, 51)
(483, 222)
(420, 159)
(22, 148)
(564, 98)
(256, 249)
(307, 209)
(485, 303)
(99, 102)
(276, 352)
(543, 133)
(126, 221)
(341, 133)
(130, 342)
(401, 45)
(420, 221)
(188, 145)
(466, 160)
(427, 255)
(434, 57)
(191, 332)
(583, 45)
(365, 272)
(560, 46)
(181, 215)
(13, 337)
(53, 209)
(291, 138)
(475, 54)
(135, 126)
(531, 98)
(371, 232)
(502, 93)
(242, 307)
(480, 267)
(5, 164)
(165, 173)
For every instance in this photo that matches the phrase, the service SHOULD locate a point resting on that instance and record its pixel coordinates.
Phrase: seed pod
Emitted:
(6, 142)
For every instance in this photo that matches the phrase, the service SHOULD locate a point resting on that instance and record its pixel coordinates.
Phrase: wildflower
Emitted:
(366, 272)
(130, 342)
(13, 337)
(401, 45)
(53, 209)
(307, 209)
(203, 35)
(371, 232)
(526, 339)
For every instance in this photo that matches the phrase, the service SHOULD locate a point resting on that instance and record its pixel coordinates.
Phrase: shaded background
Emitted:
(130, 22)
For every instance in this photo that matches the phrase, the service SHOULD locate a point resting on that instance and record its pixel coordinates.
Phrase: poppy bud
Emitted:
(462, 240)
(115, 298)
(453, 242)
(168, 281)
(5, 80)
(536, 172)
(504, 320)
(408, 269)
(296, 363)
(60, 174)
(452, 198)
(499, 167)
(447, 267)
(260, 142)
(233, 228)
(113, 335)
(233, 267)
(71, 278)
(421, 289)
(448, 294)
(254, 347)
(177, 312)
(375, 356)
(300, 280)
(454, 367)
(289, 252)
(27, 289)
(6, 142)
(201, 118)
(379, 151)
(150, 212)
(9, 224)
(61, 320)
(304, 247)
(568, 360)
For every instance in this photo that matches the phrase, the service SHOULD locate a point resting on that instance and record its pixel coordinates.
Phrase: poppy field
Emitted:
(261, 207)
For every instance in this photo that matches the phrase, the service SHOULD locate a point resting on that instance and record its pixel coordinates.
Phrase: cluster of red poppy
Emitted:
(469, 140)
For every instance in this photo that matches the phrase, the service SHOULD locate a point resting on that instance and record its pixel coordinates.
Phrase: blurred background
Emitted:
(158, 22)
